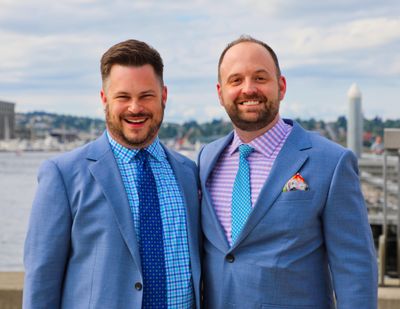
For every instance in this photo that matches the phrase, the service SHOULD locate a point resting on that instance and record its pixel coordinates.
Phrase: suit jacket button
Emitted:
(138, 286)
(230, 258)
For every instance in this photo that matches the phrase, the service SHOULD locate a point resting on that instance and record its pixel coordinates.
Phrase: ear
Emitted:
(103, 97)
(164, 95)
(282, 87)
(219, 90)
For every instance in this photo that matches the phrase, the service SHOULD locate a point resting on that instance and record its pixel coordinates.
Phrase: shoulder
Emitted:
(212, 149)
(318, 144)
(219, 142)
(76, 158)
(322, 151)
(330, 150)
(70, 157)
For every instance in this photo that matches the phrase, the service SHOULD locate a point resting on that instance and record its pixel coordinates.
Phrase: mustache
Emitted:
(251, 97)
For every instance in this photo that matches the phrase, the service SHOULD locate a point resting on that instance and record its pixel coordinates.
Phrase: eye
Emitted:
(147, 96)
(235, 81)
(122, 97)
(260, 78)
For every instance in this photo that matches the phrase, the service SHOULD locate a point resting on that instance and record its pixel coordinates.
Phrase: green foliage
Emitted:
(341, 122)
(375, 126)
(192, 130)
(55, 121)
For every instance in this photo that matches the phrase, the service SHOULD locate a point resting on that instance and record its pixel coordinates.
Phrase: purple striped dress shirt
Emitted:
(220, 183)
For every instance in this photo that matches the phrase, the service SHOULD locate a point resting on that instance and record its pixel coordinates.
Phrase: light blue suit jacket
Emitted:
(297, 247)
(81, 249)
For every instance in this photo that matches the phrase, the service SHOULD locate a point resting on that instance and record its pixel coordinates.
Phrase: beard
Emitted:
(139, 140)
(262, 117)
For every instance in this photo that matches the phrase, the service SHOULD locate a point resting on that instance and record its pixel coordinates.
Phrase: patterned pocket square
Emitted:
(295, 183)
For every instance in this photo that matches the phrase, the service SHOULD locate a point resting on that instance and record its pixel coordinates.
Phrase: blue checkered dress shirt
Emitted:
(173, 216)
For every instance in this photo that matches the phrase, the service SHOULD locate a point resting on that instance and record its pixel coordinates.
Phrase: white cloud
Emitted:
(78, 103)
(51, 58)
(355, 35)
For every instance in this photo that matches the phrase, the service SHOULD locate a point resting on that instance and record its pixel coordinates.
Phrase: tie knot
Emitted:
(245, 150)
(142, 155)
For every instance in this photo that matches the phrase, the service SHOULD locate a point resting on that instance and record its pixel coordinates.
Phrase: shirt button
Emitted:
(230, 258)
(138, 286)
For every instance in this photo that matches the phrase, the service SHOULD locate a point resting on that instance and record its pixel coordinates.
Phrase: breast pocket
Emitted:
(296, 195)
(294, 210)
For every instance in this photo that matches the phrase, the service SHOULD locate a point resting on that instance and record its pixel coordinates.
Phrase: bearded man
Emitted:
(115, 224)
(283, 217)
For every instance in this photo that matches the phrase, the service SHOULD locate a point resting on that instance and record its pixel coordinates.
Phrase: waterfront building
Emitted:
(7, 120)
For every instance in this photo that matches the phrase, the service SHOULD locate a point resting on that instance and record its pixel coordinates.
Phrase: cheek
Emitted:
(155, 108)
(230, 95)
(115, 110)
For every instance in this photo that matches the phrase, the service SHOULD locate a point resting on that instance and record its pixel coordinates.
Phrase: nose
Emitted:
(134, 107)
(249, 87)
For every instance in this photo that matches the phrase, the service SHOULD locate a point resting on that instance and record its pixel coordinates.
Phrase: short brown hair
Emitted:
(131, 53)
(248, 38)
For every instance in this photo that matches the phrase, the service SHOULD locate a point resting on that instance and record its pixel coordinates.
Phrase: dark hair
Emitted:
(131, 53)
(248, 38)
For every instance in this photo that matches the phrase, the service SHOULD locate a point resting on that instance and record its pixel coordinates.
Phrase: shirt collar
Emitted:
(266, 143)
(126, 155)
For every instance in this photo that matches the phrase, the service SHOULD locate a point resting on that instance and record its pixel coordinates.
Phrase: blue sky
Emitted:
(51, 50)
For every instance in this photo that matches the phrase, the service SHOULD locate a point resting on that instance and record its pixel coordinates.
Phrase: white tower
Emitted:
(355, 121)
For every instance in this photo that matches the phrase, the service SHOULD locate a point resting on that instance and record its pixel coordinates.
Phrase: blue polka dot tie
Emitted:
(241, 194)
(151, 237)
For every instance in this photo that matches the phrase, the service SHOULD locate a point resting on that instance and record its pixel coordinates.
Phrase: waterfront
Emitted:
(18, 184)
(18, 171)
(17, 188)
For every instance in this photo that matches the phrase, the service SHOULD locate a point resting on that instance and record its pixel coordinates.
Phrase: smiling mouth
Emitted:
(250, 103)
(136, 120)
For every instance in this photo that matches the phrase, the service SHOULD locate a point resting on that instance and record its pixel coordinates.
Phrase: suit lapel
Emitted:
(207, 163)
(105, 171)
(289, 161)
(212, 155)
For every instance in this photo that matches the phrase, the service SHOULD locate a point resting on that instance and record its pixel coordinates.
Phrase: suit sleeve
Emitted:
(47, 244)
(348, 238)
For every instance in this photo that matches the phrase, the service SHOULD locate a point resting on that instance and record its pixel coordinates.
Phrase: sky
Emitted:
(50, 52)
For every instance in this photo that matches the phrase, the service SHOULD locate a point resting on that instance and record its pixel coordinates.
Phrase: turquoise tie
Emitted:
(241, 194)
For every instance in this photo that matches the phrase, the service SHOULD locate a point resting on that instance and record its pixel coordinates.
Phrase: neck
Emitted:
(248, 136)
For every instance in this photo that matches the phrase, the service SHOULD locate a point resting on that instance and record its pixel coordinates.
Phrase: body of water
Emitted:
(17, 188)
(18, 182)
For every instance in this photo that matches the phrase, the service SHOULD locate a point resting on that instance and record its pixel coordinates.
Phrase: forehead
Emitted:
(119, 70)
(122, 75)
(247, 57)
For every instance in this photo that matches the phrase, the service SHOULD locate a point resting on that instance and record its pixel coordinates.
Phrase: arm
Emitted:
(348, 238)
(47, 244)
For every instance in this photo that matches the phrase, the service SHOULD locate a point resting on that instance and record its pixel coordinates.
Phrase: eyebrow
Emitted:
(129, 94)
(256, 72)
(233, 75)
(121, 93)
(263, 71)
(147, 92)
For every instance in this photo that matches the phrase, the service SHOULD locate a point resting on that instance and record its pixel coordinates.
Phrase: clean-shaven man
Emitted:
(114, 224)
(283, 217)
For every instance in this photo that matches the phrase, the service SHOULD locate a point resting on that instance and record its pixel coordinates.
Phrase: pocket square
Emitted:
(295, 183)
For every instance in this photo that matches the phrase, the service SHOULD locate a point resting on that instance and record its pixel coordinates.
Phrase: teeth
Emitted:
(250, 103)
(135, 120)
